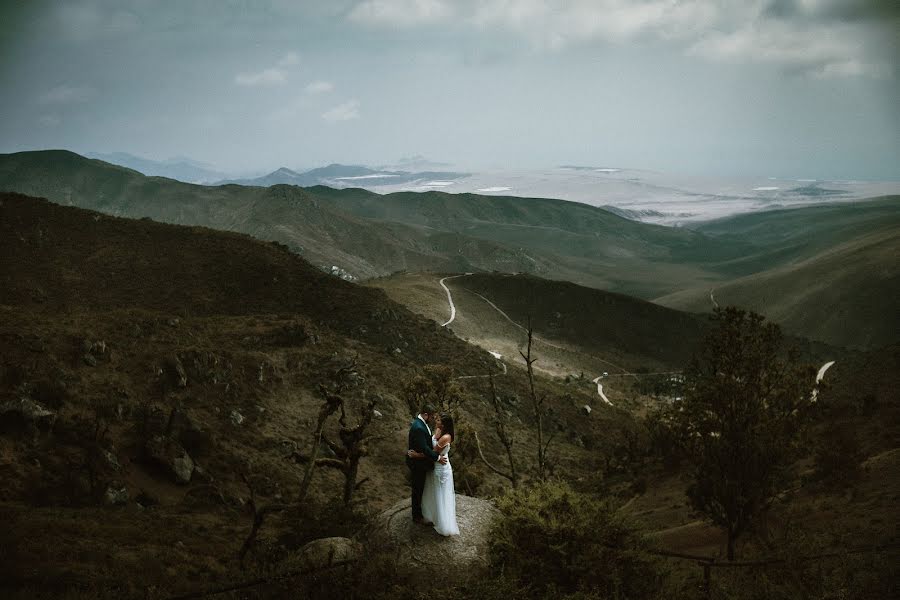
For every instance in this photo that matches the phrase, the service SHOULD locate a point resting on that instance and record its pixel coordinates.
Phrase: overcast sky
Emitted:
(787, 88)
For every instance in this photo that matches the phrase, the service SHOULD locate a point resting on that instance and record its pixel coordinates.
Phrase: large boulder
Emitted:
(323, 553)
(457, 557)
(170, 455)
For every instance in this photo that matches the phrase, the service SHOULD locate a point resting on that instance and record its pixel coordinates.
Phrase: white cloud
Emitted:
(813, 37)
(66, 94)
(270, 76)
(554, 24)
(343, 112)
(319, 87)
(403, 13)
(821, 50)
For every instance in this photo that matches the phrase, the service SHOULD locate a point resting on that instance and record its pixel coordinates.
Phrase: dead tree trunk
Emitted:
(538, 406)
(259, 514)
(352, 449)
(332, 402)
(505, 439)
(329, 407)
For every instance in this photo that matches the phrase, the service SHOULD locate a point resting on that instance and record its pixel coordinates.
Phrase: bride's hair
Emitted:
(447, 425)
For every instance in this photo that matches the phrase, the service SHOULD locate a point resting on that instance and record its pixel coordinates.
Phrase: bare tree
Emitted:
(352, 448)
(332, 402)
(258, 514)
(505, 439)
(542, 413)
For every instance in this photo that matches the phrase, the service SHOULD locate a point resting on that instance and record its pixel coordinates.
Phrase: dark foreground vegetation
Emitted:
(182, 411)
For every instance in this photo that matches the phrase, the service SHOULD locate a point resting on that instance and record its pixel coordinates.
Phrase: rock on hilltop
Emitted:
(425, 551)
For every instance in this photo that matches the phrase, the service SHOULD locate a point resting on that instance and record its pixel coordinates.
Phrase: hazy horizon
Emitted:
(785, 89)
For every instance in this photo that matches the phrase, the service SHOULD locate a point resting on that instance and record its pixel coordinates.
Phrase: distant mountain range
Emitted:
(180, 168)
(771, 261)
(408, 170)
(342, 176)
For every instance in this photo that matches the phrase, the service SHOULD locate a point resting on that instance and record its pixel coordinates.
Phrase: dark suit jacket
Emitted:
(420, 441)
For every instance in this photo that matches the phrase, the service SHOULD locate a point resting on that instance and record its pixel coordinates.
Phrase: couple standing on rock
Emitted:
(433, 496)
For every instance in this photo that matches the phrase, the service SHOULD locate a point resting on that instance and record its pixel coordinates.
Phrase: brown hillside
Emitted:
(130, 329)
(55, 258)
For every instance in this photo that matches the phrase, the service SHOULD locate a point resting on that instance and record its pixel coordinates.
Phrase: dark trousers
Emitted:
(418, 487)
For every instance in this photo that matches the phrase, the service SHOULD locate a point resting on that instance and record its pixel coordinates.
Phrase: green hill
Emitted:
(369, 235)
(775, 238)
(130, 331)
(291, 215)
(578, 330)
(832, 272)
(824, 272)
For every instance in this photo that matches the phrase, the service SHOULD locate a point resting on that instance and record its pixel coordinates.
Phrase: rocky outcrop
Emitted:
(427, 552)
(172, 456)
(323, 553)
(24, 412)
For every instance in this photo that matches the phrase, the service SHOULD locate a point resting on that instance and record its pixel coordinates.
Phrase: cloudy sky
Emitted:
(787, 88)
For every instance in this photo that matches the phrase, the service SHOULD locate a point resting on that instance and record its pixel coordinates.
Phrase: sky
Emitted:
(782, 88)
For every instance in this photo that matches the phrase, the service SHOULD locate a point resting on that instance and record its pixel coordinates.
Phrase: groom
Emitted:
(420, 441)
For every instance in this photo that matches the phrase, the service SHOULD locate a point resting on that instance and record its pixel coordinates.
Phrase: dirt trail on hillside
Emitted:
(525, 330)
(450, 297)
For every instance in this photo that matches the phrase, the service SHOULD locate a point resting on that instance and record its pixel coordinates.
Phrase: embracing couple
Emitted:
(433, 497)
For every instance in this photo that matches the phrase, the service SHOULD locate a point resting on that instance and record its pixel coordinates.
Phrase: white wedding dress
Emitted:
(439, 497)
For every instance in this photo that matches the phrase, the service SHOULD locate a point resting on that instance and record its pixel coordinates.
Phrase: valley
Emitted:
(777, 262)
(414, 299)
(227, 344)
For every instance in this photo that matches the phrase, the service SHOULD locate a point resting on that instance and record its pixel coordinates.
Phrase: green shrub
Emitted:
(556, 541)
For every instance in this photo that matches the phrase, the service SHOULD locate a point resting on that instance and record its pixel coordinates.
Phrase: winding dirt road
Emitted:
(819, 377)
(600, 390)
(534, 337)
(450, 297)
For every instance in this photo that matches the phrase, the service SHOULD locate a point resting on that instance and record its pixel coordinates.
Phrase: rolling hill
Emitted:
(832, 272)
(182, 169)
(577, 329)
(367, 234)
(841, 252)
(220, 341)
(130, 329)
(321, 233)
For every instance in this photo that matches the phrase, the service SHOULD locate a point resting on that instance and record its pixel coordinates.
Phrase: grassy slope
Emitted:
(323, 234)
(781, 254)
(590, 245)
(67, 274)
(369, 235)
(837, 279)
(775, 238)
(593, 319)
(578, 328)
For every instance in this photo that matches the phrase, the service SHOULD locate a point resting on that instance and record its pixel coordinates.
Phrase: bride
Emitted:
(439, 497)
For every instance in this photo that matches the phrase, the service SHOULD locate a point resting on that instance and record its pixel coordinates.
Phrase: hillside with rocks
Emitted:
(148, 369)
